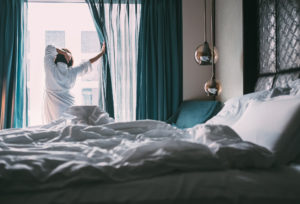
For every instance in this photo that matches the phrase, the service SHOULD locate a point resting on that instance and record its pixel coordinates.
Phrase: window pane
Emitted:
(28, 41)
(89, 42)
(56, 38)
(87, 96)
(93, 75)
(28, 70)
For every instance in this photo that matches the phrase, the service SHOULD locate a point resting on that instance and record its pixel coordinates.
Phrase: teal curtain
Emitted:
(97, 10)
(159, 71)
(12, 80)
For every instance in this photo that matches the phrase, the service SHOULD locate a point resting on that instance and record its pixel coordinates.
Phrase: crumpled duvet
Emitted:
(65, 153)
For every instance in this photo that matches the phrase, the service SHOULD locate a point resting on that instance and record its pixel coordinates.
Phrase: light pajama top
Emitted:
(59, 80)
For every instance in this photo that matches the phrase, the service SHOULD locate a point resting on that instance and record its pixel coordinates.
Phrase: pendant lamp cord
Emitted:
(213, 38)
(204, 20)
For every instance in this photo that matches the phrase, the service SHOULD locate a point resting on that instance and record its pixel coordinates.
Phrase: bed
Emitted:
(86, 157)
(248, 153)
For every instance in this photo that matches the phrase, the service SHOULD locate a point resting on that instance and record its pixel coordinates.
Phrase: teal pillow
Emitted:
(196, 112)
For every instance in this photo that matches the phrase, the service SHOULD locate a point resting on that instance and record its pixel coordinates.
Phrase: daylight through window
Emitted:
(64, 26)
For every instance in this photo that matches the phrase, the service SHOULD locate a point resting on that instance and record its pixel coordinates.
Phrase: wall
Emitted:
(229, 41)
(194, 75)
(229, 68)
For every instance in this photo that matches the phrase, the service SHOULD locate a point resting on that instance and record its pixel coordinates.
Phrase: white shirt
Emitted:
(59, 80)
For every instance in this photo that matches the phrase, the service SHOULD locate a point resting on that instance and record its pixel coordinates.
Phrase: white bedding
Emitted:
(269, 118)
(60, 155)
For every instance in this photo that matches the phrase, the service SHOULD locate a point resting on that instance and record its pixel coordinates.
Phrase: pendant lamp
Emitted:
(205, 56)
(203, 53)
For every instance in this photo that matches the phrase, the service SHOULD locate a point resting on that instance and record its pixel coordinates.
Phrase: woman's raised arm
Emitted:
(94, 59)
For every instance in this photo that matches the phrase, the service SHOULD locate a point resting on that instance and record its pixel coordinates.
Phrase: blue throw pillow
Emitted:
(196, 112)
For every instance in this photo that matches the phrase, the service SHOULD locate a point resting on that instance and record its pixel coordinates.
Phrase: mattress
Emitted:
(277, 185)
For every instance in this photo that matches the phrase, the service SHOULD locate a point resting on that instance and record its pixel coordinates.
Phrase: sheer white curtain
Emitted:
(122, 20)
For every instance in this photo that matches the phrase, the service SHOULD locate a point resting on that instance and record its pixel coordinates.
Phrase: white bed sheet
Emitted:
(280, 185)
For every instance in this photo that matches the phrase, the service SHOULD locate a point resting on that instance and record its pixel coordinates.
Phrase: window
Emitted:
(56, 38)
(89, 42)
(92, 75)
(89, 96)
(70, 25)
(28, 70)
(64, 26)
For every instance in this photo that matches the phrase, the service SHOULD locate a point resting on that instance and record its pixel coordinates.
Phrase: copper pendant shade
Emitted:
(203, 54)
(213, 87)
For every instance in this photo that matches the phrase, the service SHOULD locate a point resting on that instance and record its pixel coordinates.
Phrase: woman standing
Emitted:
(60, 78)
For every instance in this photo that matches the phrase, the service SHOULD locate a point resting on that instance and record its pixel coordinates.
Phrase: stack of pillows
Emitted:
(269, 118)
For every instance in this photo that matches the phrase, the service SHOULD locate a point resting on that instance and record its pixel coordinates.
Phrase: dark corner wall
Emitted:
(250, 44)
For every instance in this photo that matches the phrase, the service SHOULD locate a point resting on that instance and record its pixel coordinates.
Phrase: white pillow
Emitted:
(274, 124)
(235, 107)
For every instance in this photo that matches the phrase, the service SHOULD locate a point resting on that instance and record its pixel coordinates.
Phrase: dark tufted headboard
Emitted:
(271, 43)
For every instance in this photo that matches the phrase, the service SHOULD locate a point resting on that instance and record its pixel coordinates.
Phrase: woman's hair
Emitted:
(61, 58)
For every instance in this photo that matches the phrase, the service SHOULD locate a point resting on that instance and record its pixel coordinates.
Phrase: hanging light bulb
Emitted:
(213, 87)
(203, 54)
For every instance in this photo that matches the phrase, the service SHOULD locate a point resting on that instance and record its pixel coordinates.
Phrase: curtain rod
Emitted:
(80, 1)
(56, 1)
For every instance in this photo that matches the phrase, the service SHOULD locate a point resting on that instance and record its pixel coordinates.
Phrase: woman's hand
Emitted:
(103, 48)
(66, 53)
(94, 59)
(68, 56)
